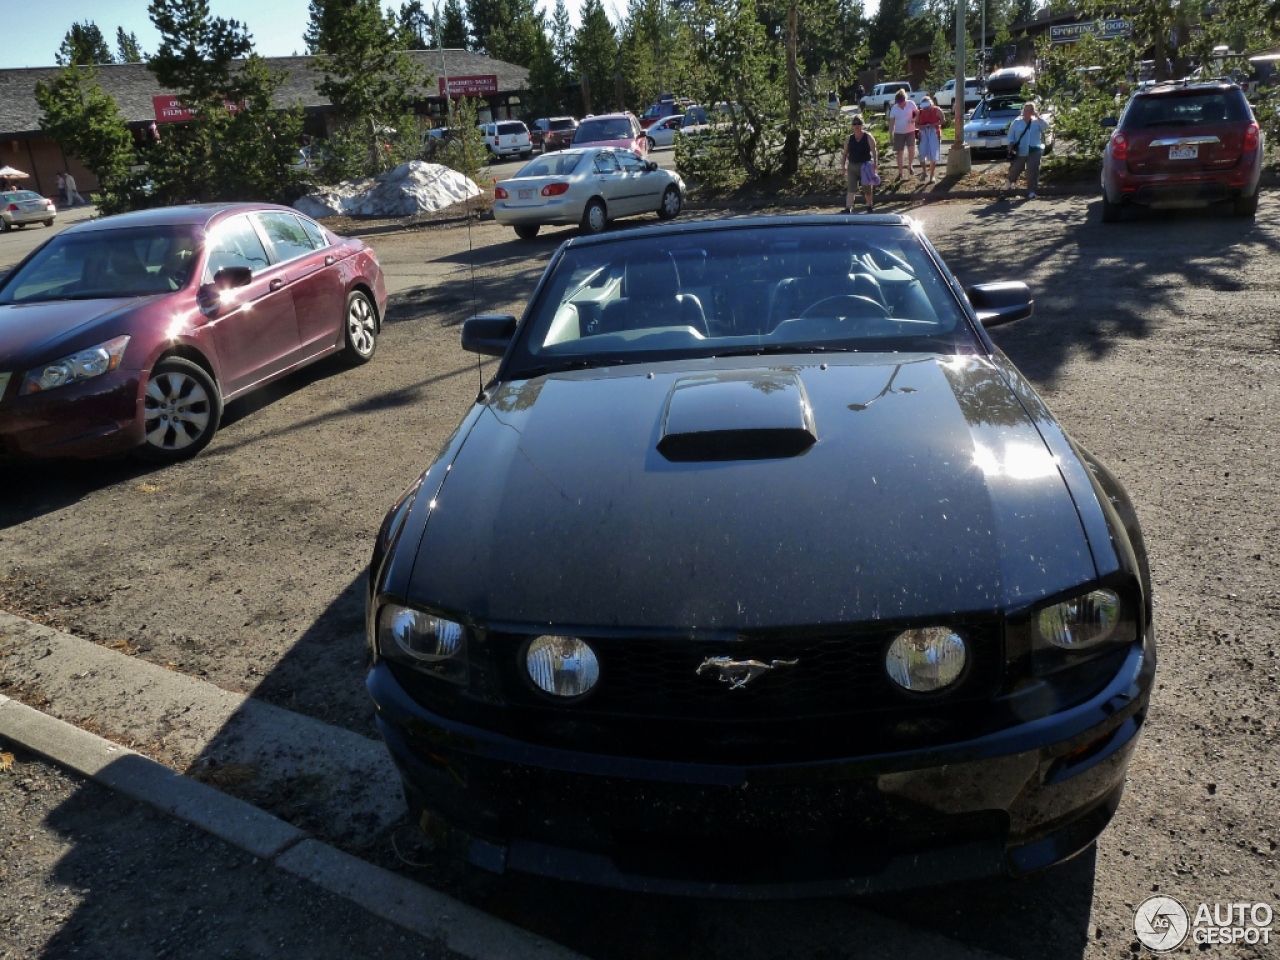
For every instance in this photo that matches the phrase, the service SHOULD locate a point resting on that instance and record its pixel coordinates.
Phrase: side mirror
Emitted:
(489, 334)
(1108, 121)
(997, 303)
(228, 278)
(650, 165)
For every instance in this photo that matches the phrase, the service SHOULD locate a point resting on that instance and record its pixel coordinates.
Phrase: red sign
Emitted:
(476, 86)
(171, 110)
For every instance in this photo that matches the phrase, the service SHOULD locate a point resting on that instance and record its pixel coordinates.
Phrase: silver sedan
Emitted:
(20, 207)
(588, 186)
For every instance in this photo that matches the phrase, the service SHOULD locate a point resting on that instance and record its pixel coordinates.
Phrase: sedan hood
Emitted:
(26, 328)
(927, 492)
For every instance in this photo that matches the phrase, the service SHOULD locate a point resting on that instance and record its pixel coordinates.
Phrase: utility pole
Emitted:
(958, 160)
(444, 72)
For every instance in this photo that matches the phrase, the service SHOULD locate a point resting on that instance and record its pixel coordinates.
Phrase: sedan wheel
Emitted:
(670, 203)
(652, 146)
(5, 225)
(594, 218)
(181, 410)
(361, 328)
(527, 231)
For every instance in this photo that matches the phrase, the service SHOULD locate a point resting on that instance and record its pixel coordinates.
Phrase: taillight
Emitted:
(1119, 147)
(495, 141)
(1251, 137)
(554, 189)
(12, 208)
(500, 194)
(49, 204)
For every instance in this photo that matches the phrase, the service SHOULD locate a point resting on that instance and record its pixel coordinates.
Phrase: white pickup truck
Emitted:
(946, 97)
(882, 95)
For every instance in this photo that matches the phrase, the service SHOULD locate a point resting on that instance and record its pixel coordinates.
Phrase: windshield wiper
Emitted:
(765, 349)
(528, 373)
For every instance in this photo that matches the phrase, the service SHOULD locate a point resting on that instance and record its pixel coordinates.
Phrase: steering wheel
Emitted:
(847, 305)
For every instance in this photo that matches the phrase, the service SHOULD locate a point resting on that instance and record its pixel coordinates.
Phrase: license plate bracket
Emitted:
(1184, 153)
(525, 194)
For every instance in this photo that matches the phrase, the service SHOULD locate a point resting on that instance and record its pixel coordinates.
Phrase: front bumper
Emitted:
(1008, 803)
(90, 419)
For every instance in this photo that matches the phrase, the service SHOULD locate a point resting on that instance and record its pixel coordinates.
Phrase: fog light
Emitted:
(926, 660)
(1081, 621)
(562, 666)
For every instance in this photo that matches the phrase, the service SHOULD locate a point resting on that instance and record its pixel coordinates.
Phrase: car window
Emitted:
(126, 262)
(23, 195)
(750, 291)
(234, 243)
(287, 237)
(511, 129)
(616, 128)
(554, 165)
(605, 163)
(630, 163)
(314, 233)
(562, 124)
(1188, 109)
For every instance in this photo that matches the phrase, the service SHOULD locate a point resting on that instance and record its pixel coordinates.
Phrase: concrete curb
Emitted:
(429, 913)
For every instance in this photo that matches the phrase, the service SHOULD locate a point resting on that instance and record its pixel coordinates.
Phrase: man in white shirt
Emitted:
(902, 125)
(73, 198)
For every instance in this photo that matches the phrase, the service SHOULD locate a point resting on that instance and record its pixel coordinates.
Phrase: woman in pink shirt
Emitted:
(902, 124)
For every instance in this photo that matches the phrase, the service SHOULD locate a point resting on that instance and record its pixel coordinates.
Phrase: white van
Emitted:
(507, 138)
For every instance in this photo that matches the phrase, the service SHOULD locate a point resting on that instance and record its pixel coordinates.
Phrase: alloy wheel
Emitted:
(177, 411)
(362, 328)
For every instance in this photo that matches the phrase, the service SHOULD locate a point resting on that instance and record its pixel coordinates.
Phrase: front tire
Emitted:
(49, 222)
(671, 204)
(1246, 206)
(652, 146)
(594, 218)
(181, 409)
(360, 323)
(527, 231)
(1110, 211)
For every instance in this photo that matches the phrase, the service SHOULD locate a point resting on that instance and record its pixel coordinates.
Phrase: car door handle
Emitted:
(276, 284)
(330, 260)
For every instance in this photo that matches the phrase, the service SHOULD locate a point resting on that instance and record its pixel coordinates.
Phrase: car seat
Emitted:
(651, 298)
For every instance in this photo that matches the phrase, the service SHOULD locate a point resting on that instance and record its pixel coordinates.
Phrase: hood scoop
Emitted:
(738, 415)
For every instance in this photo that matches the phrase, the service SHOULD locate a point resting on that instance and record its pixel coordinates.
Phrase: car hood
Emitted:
(928, 492)
(28, 330)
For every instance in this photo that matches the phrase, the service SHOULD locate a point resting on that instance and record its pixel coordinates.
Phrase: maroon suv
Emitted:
(1181, 145)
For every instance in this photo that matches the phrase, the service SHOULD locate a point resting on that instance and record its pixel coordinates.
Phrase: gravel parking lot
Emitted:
(1155, 343)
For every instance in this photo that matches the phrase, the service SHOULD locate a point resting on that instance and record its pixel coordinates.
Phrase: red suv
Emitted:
(1183, 144)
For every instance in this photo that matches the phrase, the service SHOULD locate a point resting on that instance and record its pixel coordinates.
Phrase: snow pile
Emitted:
(411, 188)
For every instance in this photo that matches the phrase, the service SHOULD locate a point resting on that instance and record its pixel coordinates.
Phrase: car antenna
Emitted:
(475, 305)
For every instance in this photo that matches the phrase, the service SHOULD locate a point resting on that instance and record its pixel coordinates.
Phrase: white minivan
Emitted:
(506, 138)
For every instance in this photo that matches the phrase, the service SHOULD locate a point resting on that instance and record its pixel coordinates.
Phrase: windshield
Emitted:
(591, 131)
(1189, 109)
(999, 107)
(565, 124)
(554, 165)
(23, 195)
(794, 289)
(128, 262)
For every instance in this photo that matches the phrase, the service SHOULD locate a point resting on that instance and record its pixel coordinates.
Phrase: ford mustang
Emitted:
(758, 570)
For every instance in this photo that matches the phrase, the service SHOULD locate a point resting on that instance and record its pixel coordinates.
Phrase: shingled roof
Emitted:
(132, 85)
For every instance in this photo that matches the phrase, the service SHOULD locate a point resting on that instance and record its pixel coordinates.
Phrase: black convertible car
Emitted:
(757, 570)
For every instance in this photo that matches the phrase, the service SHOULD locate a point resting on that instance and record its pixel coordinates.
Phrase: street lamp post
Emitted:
(958, 160)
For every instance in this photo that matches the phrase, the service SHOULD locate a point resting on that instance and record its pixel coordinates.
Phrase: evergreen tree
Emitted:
(893, 22)
(547, 81)
(516, 36)
(85, 45)
(942, 62)
(482, 17)
(127, 49)
(595, 56)
(413, 26)
(237, 146)
(645, 51)
(88, 125)
(894, 64)
(453, 27)
(562, 36)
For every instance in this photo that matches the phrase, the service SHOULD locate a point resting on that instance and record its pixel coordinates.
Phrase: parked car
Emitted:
(20, 207)
(620, 130)
(946, 96)
(987, 128)
(1181, 145)
(554, 133)
(882, 95)
(588, 186)
(668, 105)
(663, 133)
(507, 138)
(435, 140)
(758, 570)
(131, 333)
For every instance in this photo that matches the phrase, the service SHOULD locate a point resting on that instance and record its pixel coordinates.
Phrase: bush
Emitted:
(465, 151)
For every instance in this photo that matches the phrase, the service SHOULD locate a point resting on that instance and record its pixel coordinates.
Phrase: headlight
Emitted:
(84, 365)
(423, 641)
(562, 666)
(1081, 621)
(926, 660)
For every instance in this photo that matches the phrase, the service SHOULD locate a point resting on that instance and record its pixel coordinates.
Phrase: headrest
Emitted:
(651, 276)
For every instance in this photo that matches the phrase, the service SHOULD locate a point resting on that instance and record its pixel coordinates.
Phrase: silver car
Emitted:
(588, 186)
(20, 207)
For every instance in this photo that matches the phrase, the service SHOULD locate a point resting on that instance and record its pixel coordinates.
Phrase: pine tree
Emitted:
(453, 29)
(547, 81)
(595, 56)
(482, 17)
(515, 37)
(645, 51)
(127, 49)
(942, 62)
(894, 64)
(88, 125)
(85, 45)
(413, 26)
(562, 36)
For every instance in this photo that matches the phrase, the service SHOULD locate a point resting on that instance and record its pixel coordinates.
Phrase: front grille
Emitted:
(834, 675)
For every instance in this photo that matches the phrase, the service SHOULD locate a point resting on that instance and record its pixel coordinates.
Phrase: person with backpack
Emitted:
(858, 164)
(1026, 147)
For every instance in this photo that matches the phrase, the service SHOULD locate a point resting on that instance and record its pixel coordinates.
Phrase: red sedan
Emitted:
(131, 333)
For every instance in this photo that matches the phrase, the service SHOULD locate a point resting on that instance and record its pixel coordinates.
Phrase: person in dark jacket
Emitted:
(859, 153)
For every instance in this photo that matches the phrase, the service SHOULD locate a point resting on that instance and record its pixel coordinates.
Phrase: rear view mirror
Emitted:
(997, 303)
(489, 333)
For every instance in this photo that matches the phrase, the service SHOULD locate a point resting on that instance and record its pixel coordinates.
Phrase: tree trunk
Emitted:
(791, 145)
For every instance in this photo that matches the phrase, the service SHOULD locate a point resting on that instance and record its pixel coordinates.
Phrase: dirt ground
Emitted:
(1154, 341)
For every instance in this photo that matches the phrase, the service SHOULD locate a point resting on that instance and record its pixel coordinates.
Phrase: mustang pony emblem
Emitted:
(738, 673)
